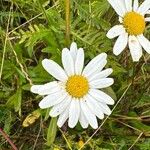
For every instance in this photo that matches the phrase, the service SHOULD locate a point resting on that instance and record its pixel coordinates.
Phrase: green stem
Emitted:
(67, 10)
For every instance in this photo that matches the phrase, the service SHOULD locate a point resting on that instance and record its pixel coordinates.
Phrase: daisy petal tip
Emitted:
(84, 127)
(112, 102)
(33, 90)
(81, 49)
(101, 117)
(45, 61)
(145, 43)
(42, 106)
(104, 55)
(95, 127)
(71, 125)
(109, 113)
(59, 125)
(73, 45)
(52, 115)
(110, 70)
(65, 50)
(136, 59)
(108, 35)
(112, 81)
(116, 53)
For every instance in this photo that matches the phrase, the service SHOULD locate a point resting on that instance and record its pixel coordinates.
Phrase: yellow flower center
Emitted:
(134, 23)
(77, 86)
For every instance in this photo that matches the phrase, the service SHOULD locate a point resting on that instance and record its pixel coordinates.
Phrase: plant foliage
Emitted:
(31, 30)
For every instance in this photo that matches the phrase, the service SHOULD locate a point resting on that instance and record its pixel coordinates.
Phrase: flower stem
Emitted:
(67, 10)
(8, 139)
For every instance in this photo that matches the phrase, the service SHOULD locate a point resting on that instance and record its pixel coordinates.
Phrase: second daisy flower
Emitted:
(131, 29)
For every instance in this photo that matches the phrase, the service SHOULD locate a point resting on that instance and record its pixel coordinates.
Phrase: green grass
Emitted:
(31, 30)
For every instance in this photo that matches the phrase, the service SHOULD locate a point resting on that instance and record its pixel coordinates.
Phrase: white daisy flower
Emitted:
(131, 28)
(75, 95)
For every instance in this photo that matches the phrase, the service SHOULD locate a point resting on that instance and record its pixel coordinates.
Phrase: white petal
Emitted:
(54, 69)
(94, 107)
(101, 83)
(116, 6)
(52, 99)
(122, 5)
(67, 62)
(62, 118)
(98, 68)
(101, 96)
(46, 89)
(79, 63)
(89, 115)
(144, 7)
(103, 74)
(135, 5)
(82, 119)
(105, 109)
(73, 51)
(135, 48)
(147, 19)
(35, 88)
(74, 112)
(49, 88)
(144, 42)
(95, 64)
(128, 4)
(120, 44)
(115, 31)
(59, 108)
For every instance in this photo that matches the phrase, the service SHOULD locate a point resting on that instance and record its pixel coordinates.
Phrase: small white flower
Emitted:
(76, 94)
(131, 29)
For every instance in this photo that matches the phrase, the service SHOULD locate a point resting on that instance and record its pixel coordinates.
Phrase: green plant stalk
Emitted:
(67, 11)
(5, 42)
(52, 130)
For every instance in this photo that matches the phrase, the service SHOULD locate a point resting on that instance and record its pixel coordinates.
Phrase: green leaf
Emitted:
(15, 101)
(52, 129)
(138, 124)
(47, 114)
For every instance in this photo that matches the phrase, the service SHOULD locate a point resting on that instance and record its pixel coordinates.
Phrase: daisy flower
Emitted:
(75, 95)
(131, 27)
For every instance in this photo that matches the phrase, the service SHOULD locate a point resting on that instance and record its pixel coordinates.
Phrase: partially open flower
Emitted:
(132, 27)
(75, 94)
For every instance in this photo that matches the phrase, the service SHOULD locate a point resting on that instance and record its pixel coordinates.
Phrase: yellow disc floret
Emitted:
(134, 23)
(77, 86)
